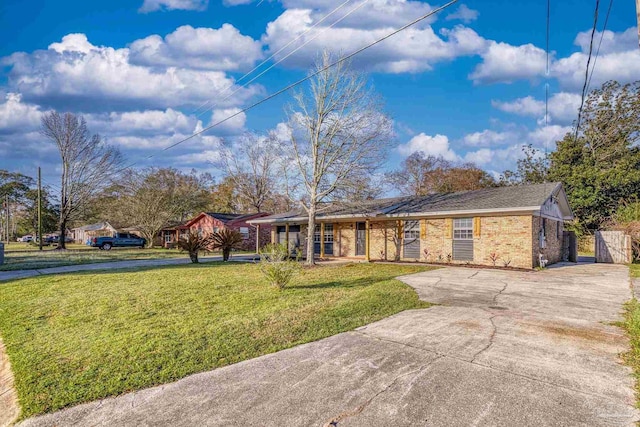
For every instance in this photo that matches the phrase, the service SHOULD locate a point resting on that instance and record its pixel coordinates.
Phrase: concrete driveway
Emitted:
(504, 349)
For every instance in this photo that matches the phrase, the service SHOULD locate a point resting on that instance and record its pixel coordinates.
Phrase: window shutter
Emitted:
(448, 228)
(476, 227)
(423, 229)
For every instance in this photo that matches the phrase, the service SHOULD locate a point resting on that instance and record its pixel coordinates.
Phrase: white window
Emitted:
(167, 237)
(245, 232)
(316, 234)
(411, 230)
(328, 233)
(463, 228)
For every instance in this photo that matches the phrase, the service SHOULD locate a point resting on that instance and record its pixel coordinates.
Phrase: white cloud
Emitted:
(154, 5)
(99, 77)
(464, 14)
(505, 63)
(203, 48)
(16, 116)
(489, 138)
(414, 50)
(232, 126)
(437, 145)
(563, 107)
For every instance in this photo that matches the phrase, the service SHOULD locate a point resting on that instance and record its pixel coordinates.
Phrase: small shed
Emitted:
(87, 232)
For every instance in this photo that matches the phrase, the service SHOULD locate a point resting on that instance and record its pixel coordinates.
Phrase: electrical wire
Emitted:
(586, 77)
(286, 56)
(275, 53)
(595, 58)
(308, 77)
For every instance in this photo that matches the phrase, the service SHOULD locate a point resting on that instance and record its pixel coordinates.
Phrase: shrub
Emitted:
(493, 257)
(277, 266)
(193, 244)
(226, 240)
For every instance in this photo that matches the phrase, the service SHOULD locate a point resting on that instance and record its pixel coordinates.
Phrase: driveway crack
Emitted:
(491, 338)
(504, 288)
(333, 422)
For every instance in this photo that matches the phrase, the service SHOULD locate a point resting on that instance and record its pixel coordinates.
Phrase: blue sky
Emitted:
(468, 84)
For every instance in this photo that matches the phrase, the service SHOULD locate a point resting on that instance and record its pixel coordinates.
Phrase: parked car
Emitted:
(119, 240)
(55, 239)
(27, 238)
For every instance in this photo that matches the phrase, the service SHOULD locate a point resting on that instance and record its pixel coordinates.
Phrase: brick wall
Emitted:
(506, 238)
(554, 240)
(512, 238)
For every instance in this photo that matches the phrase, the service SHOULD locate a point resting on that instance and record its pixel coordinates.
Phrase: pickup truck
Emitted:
(119, 240)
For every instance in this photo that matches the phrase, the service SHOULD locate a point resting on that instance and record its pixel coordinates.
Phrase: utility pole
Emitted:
(8, 218)
(39, 208)
(638, 15)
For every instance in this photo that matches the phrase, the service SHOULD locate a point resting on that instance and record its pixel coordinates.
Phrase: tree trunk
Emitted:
(63, 229)
(225, 254)
(311, 228)
(194, 257)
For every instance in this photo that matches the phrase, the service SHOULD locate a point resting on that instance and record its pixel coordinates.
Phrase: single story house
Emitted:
(86, 232)
(516, 226)
(209, 222)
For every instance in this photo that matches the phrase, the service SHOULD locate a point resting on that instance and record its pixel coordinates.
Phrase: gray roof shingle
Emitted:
(498, 198)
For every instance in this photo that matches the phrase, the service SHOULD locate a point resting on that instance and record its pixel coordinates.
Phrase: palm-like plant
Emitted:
(194, 243)
(226, 240)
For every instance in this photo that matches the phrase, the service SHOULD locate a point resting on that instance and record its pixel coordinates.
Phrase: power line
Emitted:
(310, 76)
(586, 76)
(595, 59)
(274, 54)
(287, 56)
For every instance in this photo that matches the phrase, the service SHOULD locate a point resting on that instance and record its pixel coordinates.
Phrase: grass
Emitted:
(80, 337)
(52, 258)
(631, 324)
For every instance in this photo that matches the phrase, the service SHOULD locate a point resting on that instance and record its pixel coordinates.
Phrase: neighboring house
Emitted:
(210, 222)
(513, 226)
(86, 232)
(170, 235)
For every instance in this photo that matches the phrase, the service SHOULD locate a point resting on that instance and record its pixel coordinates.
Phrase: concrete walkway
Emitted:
(504, 349)
(21, 274)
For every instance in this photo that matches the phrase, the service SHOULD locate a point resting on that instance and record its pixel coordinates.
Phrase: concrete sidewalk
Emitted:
(21, 274)
(505, 348)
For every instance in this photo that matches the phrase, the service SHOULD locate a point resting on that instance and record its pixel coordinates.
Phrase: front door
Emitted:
(361, 230)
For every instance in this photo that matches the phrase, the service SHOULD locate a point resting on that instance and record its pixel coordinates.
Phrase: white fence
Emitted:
(613, 247)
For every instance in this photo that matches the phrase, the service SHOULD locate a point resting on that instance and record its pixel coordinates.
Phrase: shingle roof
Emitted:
(224, 217)
(487, 199)
(94, 227)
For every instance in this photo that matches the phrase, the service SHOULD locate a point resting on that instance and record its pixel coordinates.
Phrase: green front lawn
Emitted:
(635, 270)
(79, 337)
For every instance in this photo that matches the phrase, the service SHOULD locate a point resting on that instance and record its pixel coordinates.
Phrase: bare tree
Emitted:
(422, 174)
(152, 199)
(338, 136)
(252, 169)
(88, 164)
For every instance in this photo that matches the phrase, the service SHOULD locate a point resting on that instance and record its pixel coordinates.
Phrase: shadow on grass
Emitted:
(139, 269)
(345, 284)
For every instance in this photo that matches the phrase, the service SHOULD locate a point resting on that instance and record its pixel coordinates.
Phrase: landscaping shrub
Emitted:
(226, 240)
(277, 265)
(194, 243)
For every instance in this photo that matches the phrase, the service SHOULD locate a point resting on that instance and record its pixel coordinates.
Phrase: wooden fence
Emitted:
(613, 247)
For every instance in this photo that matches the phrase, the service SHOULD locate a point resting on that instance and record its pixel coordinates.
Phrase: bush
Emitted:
(193, 244)
(226, 240)
(277, 266)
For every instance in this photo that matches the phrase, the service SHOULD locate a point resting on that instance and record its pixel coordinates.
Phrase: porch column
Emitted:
(322, 240)
(257, 238)
(273, 234)
(367, 241)
(286, 233)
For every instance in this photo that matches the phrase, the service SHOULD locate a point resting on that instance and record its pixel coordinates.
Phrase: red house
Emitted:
(210, 222)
